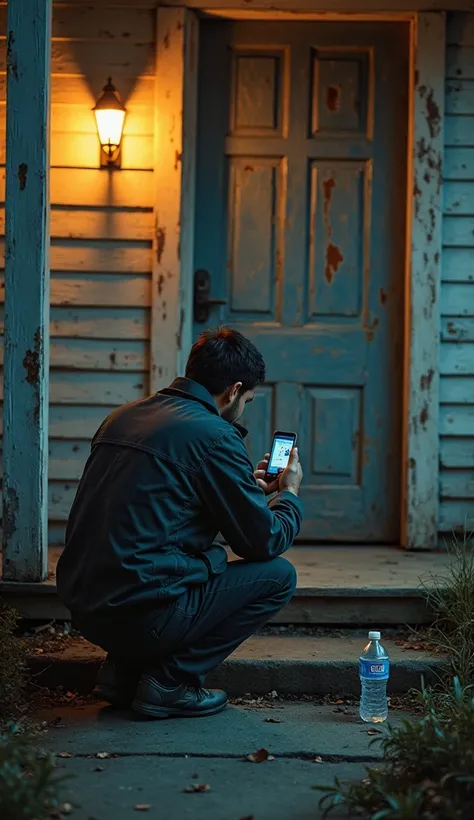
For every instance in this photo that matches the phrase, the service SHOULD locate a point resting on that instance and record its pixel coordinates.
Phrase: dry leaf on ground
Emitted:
(318, 759)
(64, 754)
(259, 756)
(102, 755)
(197, 787)
(142, 807)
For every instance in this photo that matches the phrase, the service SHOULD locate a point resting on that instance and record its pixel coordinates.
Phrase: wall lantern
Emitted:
(109, 117)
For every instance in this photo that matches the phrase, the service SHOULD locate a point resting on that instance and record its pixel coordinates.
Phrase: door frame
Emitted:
(176, 112)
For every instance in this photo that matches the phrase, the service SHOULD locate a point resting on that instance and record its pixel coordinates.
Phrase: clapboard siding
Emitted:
(101, 231)
(457, 302)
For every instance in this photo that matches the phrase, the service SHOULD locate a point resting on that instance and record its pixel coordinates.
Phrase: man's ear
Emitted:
(233, 390)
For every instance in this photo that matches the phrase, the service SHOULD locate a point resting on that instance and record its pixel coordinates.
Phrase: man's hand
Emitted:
(291, 478)
(260, 474)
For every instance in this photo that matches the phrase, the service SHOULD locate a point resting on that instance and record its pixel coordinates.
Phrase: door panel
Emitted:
(301, 191)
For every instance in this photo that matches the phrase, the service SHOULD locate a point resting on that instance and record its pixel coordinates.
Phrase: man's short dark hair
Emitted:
(222, 357)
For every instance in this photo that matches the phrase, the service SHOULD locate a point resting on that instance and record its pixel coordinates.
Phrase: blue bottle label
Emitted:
(374, 669)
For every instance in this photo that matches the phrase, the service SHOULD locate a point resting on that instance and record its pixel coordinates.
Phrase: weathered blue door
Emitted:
(301, 195)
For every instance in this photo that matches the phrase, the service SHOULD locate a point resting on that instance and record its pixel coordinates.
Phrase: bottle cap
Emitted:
(374, 636)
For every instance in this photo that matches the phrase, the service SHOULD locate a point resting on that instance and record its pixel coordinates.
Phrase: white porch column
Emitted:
(175, 128)
(425, 208)
(26, 358)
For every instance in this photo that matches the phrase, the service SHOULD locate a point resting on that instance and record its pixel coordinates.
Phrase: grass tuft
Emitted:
(12, 668)
(29, 789)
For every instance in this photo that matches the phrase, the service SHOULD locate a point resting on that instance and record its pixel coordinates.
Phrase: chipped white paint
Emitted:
(423, 291)
(176, 105)
(26, 365)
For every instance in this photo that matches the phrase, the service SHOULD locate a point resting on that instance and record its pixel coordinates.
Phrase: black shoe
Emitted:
(116, 684)
(155, 701)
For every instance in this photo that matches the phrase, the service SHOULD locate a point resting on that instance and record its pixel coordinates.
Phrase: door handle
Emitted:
(202, 298)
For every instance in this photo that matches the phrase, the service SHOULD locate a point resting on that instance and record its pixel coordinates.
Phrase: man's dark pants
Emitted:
(183, 640)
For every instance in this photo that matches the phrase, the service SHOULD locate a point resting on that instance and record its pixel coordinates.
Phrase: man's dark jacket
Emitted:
(165, 475)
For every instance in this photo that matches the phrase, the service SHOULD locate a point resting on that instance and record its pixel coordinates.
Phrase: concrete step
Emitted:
(355, 586)
(344, 606)
(289, 664)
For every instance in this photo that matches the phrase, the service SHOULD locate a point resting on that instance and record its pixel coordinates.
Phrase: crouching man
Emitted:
(141, 572)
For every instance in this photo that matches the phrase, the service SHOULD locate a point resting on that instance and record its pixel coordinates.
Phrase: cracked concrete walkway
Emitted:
(120, 763)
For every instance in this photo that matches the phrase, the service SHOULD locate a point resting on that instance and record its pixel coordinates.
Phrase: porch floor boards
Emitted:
(336, 585)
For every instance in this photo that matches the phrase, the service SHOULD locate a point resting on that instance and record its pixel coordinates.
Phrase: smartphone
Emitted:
(281, 448)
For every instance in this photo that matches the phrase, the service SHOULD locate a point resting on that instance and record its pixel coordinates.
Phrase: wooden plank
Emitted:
(99, 223)
(131, 25)
(420, 491)
(456, 420)
(459, 198)
(125, 256)
(103, 388)
(80, 119)
(73, 421)
(457, 484)
(100, 354)
(457, 330)
(457, 452)
(100, 323)
(118, 59)
(86, 22)
(103, 290)
(458, 231)
(103, 223)
(459, 131)
(457, 359)
(84, 91)
(121, 60)
(91, 187)
(74, 118)
(457, 300)
(67, 459)
(457, 265)
(76, 422)
(456, 516)
(60, 497)
(460, 63)
(73, 150)
(459, 164)
(26, 368)
(97, 323)
(456, 390)
(98, 256)
(56, 534)
(460, 29)
(175, 129)
(459, 97)
(97, 388)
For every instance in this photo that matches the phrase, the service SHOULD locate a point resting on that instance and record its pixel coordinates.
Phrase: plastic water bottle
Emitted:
(374, 669)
